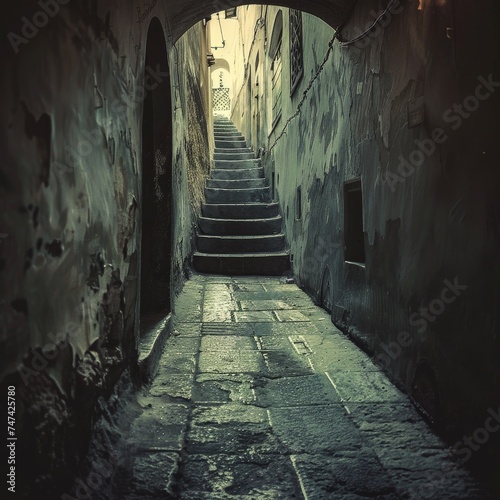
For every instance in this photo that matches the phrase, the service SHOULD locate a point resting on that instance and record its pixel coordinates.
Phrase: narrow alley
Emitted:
(259, 396)
(250, 251)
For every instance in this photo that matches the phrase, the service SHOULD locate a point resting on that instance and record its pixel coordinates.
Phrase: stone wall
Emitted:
(410, 111)
(75, 80)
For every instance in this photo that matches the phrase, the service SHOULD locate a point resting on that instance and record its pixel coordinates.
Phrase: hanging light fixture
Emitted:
(221, 35)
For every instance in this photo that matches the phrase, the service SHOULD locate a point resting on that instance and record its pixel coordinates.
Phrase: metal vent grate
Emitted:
(221, 100)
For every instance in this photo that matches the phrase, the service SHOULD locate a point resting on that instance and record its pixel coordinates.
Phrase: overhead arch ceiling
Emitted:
(186, 13)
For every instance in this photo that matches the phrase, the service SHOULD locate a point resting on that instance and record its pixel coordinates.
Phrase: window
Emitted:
(354, 238)
(231, 13)
(276, 70)
(276, 88)
(296, 49)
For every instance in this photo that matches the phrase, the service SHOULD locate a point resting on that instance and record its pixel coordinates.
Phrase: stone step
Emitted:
(236, 183)
(240, 211)
(239, 173)
(240, 244)
(231, 138)
(261, 264)
(234, 154)
(240, 227)
(227, 131)
(238, 163)
(228, 134)
(218, 195)
(235, 150)
(240, 232)
(230, 144)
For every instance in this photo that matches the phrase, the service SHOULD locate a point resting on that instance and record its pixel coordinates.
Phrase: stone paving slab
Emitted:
(218, 477)
(263, 305)
(178, 343)
(315, 429)
(186, 328)
(259, 396)
(177, 362)
(178, 387)
(160, 428)
(290, 316)
(224, 388)
(247, 288)
(236, 361)
(273, 343)
(232, 428)
(227, 343)
(254, 316)
(348, 475)
(365, 386)
(338, 361)
(151, 478)
(286, 295)
(314, 389)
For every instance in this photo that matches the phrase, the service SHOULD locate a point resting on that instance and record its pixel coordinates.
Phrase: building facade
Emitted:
(372, 137)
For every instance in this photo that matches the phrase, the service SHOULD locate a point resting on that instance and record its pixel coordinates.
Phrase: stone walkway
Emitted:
(259, 396)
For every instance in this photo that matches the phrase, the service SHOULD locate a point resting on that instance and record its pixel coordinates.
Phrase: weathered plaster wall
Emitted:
(72, 96)
(426, 226)
(193, 140)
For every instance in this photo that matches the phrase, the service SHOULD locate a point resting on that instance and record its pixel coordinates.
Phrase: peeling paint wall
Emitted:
(72, 96)
(383, 110)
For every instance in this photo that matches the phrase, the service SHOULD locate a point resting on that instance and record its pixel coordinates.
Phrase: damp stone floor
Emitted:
(259, 396)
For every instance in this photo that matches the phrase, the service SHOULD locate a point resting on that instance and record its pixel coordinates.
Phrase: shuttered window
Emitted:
(296, 49)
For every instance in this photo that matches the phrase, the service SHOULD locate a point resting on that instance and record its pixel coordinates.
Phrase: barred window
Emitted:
(296, 49)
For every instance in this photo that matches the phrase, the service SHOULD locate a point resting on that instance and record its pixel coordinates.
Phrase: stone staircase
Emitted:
(240, 231)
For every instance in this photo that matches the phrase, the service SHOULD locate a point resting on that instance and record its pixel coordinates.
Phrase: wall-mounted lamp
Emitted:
(210, 59)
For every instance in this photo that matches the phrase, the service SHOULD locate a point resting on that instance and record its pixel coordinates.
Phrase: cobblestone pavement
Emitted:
(259, 396)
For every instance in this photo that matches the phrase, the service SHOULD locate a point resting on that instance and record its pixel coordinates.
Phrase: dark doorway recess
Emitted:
(354, 239)
(156, 240)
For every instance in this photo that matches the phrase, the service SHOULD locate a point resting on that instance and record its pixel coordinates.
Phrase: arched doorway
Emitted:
(156, 198)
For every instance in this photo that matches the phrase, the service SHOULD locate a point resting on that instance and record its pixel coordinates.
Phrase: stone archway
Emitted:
(185, 14)
(156, 199)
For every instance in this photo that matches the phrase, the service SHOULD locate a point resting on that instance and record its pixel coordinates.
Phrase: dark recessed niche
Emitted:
(21, 306)
(354, 238)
